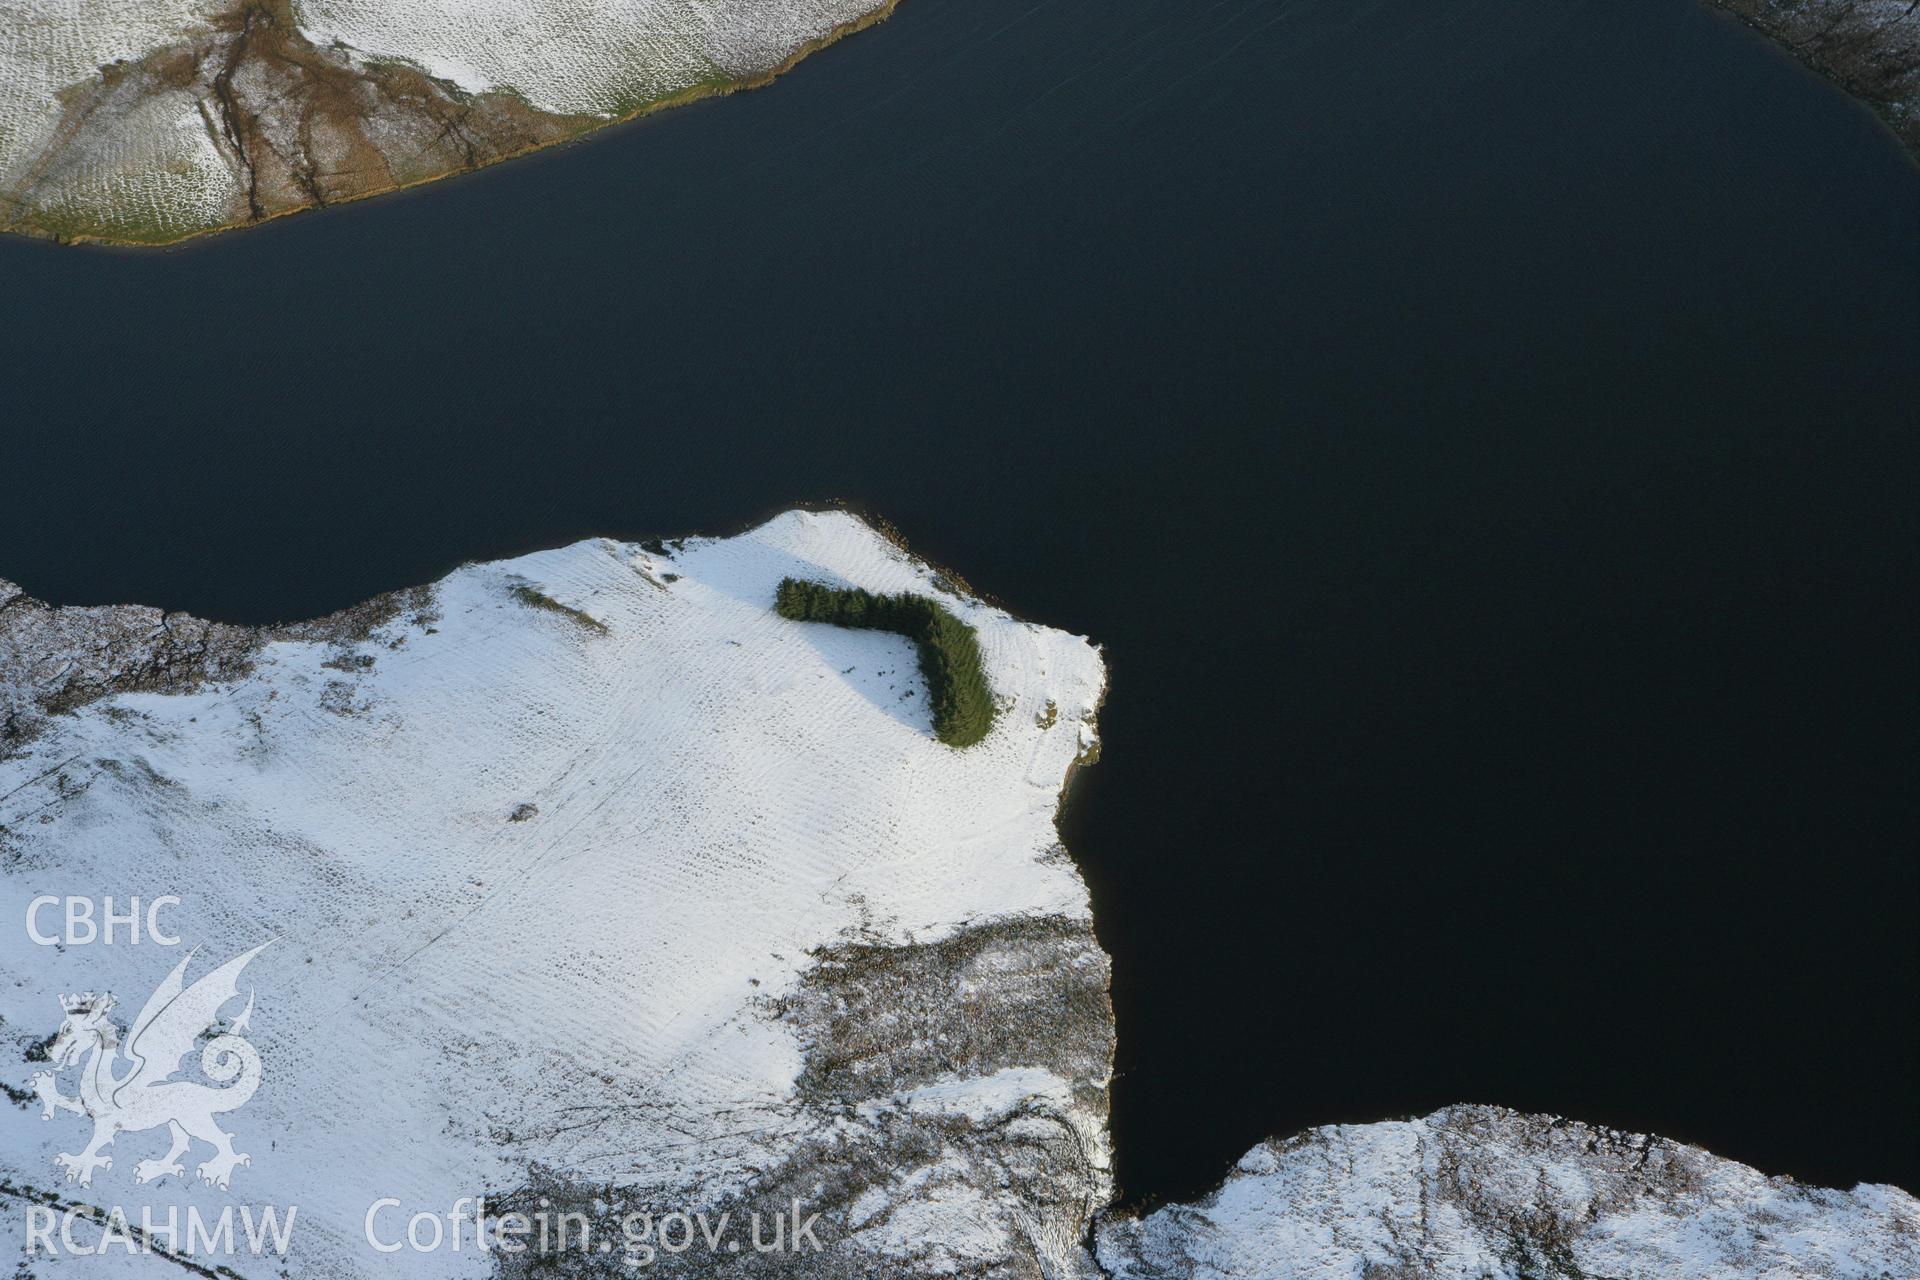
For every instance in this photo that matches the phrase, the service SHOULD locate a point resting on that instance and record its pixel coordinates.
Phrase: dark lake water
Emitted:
(1482, 434)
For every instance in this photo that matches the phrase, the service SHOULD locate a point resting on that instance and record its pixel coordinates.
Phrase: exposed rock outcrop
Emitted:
(55, 659)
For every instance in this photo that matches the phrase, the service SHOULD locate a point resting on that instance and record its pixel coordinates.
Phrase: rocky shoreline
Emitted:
(1870, 48)
(249, 115)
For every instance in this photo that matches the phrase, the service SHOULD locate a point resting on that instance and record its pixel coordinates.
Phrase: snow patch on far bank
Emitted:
(589, 57)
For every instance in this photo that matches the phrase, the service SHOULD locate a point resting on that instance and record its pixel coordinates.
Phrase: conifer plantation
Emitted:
(949, 650)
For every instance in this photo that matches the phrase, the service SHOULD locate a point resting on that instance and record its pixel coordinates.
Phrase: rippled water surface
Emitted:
(1482, 435)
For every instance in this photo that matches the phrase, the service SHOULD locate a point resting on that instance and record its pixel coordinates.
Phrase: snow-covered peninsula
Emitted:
(148, 121)
(589, 884)
(588, 872)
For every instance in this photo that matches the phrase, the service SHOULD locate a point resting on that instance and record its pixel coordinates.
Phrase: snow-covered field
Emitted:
(163, 165)
(705, 795)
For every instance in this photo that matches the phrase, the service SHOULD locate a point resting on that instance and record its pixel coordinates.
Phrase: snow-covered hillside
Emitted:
(1481, 1193)
(588, 864)
(145, 121)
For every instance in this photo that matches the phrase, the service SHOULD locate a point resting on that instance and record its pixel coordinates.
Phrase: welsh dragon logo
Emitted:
(133, 1089)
